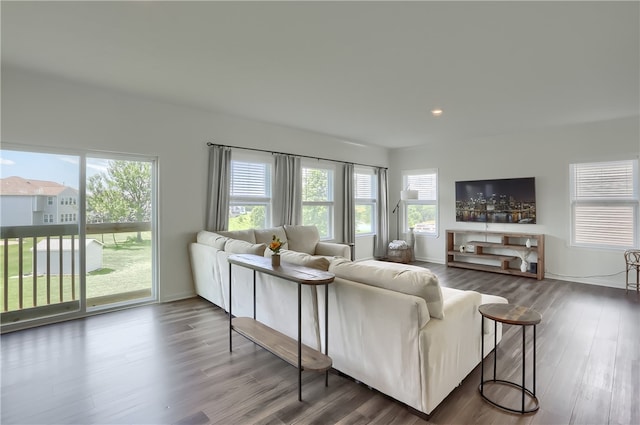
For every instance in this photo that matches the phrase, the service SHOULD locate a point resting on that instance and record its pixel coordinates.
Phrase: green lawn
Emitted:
(126, 267)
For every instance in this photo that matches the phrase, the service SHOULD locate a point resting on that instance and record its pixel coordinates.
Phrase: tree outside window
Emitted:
(317, 199)
(250, 195)
(365, 202)
(422, 214)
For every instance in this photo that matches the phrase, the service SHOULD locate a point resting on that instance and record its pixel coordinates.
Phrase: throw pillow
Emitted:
(265, 236)
(403, 278)
(302, 238)
(212, 239)
(236, 246)
(302, 259)
(243, 235)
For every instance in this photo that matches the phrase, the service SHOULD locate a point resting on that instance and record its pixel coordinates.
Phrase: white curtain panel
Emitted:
(349, 217)
(218, 188)
(382, 222)
(287, 190)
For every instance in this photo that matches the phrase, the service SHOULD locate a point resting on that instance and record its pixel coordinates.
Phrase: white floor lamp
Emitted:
(404, 196)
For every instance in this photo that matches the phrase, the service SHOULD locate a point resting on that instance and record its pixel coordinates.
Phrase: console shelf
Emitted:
(281, 345)
(498, 252)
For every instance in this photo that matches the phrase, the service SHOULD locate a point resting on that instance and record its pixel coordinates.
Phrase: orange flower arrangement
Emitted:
(275, 245)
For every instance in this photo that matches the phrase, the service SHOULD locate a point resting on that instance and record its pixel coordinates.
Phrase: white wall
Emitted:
(39, 110)
(43, 111)
(545, 155)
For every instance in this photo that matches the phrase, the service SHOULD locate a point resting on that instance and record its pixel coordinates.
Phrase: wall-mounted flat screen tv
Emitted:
(497, 201)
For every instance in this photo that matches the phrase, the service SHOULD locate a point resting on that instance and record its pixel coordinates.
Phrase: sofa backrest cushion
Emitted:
(243, 235)
(265, 236)
(302, 259)
(302, 238)
(236, 246)
(403, 278)
(212, 239)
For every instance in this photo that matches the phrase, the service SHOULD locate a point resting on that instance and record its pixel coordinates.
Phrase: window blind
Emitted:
(250, 179)
(425, 184)
(604, 199)
(604, 180)
(364, 186)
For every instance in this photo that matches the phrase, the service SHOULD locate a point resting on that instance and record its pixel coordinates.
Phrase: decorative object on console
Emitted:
(524, 266)
(275, 247)
(524, 256)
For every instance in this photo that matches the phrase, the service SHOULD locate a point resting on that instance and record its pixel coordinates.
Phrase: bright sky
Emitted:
(63, 169)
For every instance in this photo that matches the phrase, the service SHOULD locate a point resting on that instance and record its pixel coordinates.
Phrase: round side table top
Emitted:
(510, 313)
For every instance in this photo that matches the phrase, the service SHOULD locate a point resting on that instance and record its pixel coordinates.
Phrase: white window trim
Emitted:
(633, 202)
(267, 201)
(373, 202)
(332, 190)
(404, 204)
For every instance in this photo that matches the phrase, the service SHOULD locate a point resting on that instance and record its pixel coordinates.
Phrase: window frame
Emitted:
(369, 201)
(78, 157)
(243, 201)
(575, 201)
(422, 200)
(329, 203)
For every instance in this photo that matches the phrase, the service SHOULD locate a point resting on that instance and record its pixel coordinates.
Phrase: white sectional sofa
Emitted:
(391, 326)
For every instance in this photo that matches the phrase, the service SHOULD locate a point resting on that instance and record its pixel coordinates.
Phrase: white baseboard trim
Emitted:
(177, 297)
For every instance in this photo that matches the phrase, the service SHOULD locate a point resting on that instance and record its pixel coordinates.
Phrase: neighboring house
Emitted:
(93, 256)
(27, 202)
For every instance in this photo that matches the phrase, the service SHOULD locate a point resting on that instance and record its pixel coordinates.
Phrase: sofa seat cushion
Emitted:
(407, 279)
(301, 259)
(265, 236)
(302, 238)
(243, 235)
(237, 246)
(212, 239)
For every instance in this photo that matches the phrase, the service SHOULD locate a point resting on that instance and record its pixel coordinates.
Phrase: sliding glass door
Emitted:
(77, 234)
(120, 239)
(40, 220)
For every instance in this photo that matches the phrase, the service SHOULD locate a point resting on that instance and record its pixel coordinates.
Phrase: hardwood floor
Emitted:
(170, 363)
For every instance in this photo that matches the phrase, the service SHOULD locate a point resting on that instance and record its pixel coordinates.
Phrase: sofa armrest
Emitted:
(206, 276)
(373, 336)
(332, 249)
(450, 348)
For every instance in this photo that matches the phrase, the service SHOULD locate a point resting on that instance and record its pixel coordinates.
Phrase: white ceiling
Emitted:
(366, 72)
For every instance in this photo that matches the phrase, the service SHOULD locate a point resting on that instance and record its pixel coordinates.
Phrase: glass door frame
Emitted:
(83, 310)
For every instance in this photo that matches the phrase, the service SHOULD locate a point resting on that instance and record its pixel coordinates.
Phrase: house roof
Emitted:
(27, 187)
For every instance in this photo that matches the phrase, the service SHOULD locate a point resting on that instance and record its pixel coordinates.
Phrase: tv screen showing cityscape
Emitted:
(497, 201)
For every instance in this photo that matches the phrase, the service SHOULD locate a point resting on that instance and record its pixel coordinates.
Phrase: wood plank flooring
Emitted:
(170, 364)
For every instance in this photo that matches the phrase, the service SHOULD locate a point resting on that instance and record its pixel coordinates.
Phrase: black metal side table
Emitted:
(512, 315)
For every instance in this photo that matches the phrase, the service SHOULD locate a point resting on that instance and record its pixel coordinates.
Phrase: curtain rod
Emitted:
(301, 156)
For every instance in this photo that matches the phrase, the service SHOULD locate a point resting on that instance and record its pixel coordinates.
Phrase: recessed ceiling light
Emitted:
(436, 112)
